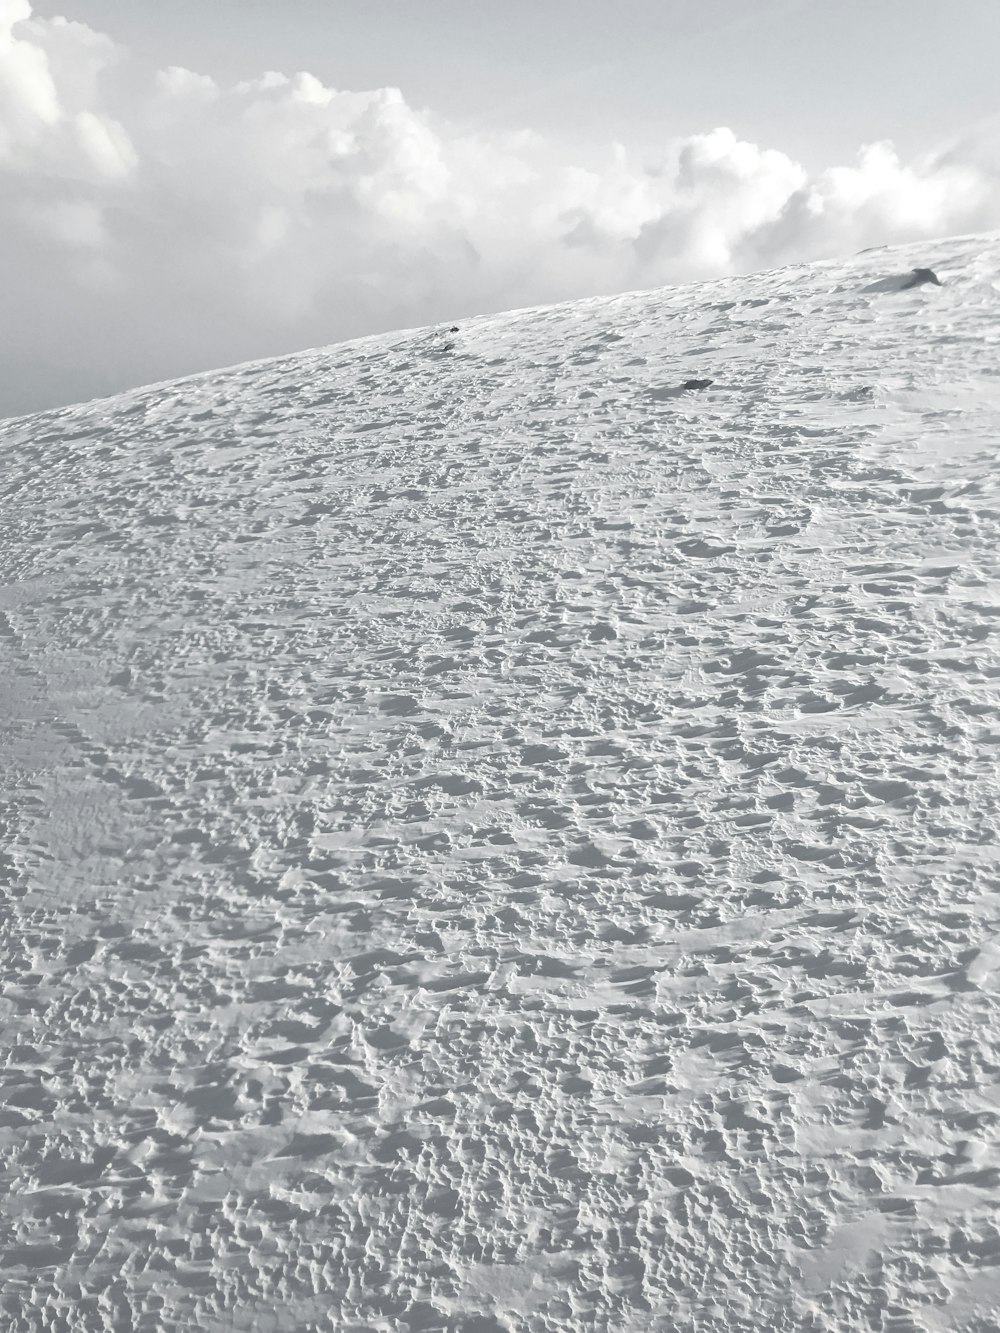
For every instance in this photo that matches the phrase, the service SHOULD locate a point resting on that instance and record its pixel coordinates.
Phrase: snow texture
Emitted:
(496, 841)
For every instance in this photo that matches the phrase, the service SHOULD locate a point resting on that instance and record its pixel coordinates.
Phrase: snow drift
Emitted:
(496, 840)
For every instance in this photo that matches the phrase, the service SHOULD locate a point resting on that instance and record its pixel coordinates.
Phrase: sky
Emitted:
(194, 184)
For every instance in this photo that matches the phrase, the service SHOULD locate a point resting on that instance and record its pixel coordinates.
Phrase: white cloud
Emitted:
(151, 226)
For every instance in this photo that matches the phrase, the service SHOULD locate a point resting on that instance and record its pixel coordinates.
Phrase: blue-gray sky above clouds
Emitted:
(190, 184)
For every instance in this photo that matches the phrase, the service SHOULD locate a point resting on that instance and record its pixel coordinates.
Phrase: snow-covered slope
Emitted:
(495, 842)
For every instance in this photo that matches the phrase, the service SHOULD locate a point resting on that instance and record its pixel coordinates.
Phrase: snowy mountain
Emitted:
(496, 840)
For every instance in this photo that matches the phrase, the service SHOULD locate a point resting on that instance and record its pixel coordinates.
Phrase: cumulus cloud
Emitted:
(151, 226)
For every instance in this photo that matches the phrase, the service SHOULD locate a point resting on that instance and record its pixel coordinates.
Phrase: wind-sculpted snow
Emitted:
(498, 841)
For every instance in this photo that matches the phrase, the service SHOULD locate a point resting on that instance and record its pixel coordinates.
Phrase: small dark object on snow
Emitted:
(453, 329)
(696, 384)
(919, 276)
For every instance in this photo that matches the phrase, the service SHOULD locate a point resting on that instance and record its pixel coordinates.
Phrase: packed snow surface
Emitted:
(496, 840)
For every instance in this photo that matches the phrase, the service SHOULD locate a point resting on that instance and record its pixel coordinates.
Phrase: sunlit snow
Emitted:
(499, 842)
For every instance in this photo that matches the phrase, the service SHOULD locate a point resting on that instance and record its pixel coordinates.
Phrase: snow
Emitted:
(496, 841)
